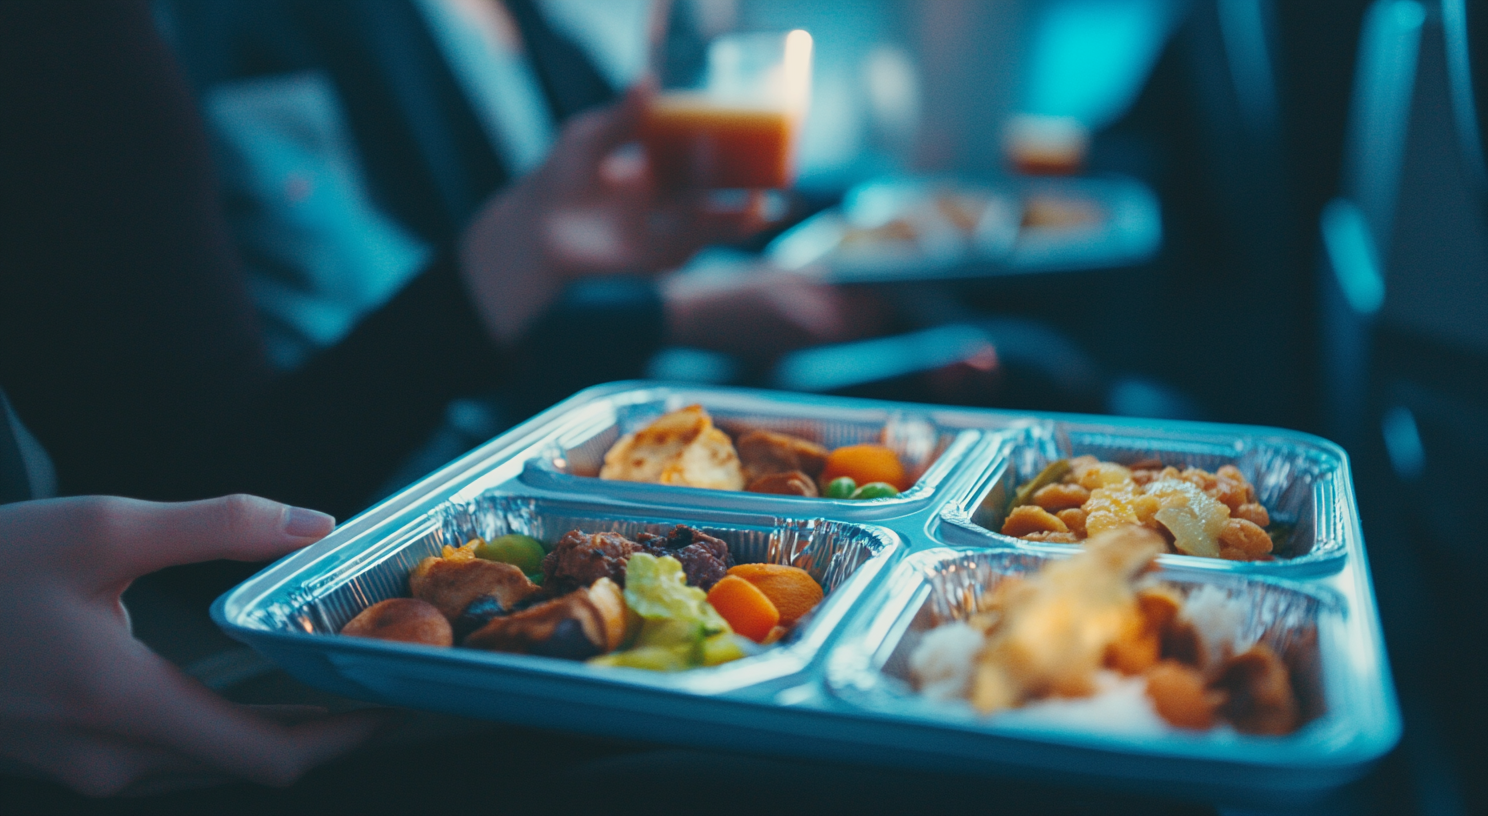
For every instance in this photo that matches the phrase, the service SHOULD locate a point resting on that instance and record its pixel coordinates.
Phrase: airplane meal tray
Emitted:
(837, 687)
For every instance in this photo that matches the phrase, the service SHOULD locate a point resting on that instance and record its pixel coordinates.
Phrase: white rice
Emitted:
(1218, 619)
(1120, 705)
(942, 663)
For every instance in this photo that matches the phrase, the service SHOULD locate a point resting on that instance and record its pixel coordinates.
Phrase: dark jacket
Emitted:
(127, 339)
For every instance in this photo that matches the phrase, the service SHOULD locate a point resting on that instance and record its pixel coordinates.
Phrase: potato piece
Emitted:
(1181, 697)
(1074, 519)
(407, 620)
(1243, 536)
(452, 584)
(1031, 518)
(1253, 513)
(1054, 538)
(1060, 496)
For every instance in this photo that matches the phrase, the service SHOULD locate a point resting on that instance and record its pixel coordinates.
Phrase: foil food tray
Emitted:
(836, 689)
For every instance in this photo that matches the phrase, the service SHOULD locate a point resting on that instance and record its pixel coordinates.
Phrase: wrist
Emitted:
(505, 266)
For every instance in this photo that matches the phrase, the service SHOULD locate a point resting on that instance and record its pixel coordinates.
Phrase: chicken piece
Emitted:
(681, 448)
(1259, 692)
(581, 624)
(1180, 696)
(579, 559)
(453, 582)
(1053, 630)
(704, 558)
(763, 453)
(409, 620)
(1030, 518)
(789, 483)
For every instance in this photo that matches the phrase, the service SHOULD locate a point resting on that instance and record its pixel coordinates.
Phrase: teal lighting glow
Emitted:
(1403, 443)
(1352, 254)
(1089, 58)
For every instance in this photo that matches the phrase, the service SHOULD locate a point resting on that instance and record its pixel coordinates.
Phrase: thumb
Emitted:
(138, 537)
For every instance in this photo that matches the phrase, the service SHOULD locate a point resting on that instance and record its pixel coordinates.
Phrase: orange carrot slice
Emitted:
(747, 609)
(866, 463)
(792, 589)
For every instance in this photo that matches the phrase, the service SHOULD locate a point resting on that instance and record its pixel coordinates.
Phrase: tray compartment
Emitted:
(843, 557)
(1308, 626)
(934, 450)
(1300, 481)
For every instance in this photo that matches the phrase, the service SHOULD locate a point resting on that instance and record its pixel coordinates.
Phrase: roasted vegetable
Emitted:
(1055, 472)
(524, 552)
(841, 487)
(581, 624)
(409, 620)
(875, 490)
(454, 581)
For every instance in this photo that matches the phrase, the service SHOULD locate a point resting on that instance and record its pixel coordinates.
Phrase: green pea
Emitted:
(876, 490)
(841, 487)
(523, 552)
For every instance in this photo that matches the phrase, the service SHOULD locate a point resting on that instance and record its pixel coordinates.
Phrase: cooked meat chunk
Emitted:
(454, 583)
(704, 558)
(581, 624)
(790, 483)
(763, 453)
(579, 559)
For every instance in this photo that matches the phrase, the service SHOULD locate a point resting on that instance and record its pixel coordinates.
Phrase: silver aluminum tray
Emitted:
(831, 692)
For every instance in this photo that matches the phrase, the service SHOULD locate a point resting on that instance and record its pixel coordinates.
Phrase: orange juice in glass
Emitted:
(738, 127)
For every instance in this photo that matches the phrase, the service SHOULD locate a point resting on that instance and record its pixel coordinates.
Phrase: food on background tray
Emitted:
(1059, 211)
(643, 603)
(1091, 626)
(1215, 515)
(1046, 145)
(685, 448)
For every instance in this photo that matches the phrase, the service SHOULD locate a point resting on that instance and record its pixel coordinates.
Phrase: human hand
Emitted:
(759, 312)
(83, 701)
(590, 209)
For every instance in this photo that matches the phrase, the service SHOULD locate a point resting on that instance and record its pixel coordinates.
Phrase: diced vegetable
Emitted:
(1055, 472)
(875, 490)
(791, 589)
(866, 463)
(524, 552)
(841, 487)
(656, 589)
(749, 611)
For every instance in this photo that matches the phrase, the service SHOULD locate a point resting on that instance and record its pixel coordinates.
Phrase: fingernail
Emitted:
(300, 522)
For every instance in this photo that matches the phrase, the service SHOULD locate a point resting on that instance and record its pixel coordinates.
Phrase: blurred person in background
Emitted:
(353, 138)
(143, 351)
